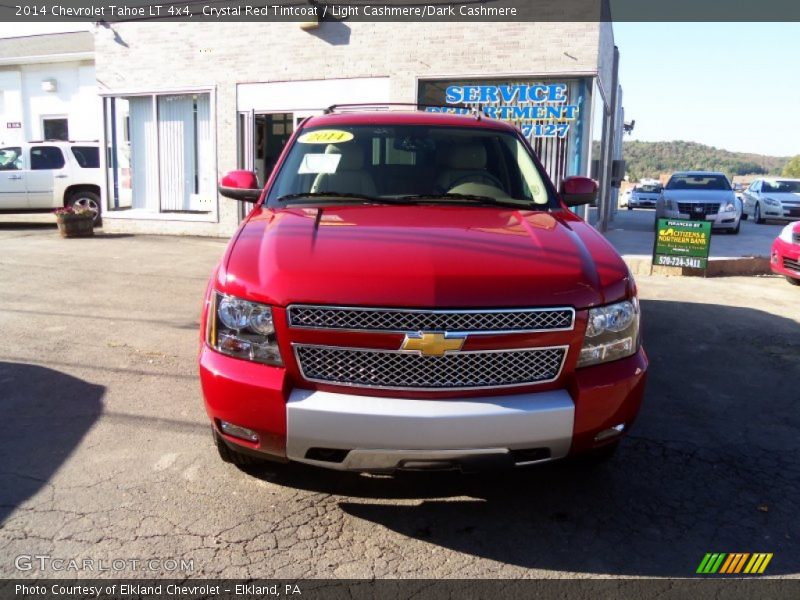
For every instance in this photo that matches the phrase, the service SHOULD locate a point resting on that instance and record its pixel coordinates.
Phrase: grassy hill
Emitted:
(650, 159)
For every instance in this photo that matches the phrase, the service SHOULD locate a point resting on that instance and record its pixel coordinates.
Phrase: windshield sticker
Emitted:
(319, 163)
(325, 136)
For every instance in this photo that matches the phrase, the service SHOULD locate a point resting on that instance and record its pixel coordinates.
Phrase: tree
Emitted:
(792, 168)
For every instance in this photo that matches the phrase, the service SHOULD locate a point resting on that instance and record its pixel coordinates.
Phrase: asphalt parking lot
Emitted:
(105, 452)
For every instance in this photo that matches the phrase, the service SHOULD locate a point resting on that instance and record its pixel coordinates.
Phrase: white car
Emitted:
(42, 176)
(700, 196)
(777, 199)
(644, 196)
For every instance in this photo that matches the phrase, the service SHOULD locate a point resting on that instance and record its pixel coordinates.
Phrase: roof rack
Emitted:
(386, 105)
(63, 141)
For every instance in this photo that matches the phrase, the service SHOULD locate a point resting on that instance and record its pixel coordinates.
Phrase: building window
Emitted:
(161, 153)
(55, 128)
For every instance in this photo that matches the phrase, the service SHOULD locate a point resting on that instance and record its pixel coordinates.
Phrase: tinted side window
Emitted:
(46, 157)
(88, 157)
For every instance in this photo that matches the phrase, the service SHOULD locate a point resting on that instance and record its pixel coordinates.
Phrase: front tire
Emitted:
(757, 214)
(86, 199)
(792, 280)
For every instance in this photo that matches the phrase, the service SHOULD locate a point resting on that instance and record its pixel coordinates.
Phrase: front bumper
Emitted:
(395, 433)
(722, 220)
(348, 431)
(785, 259)
(780, 212)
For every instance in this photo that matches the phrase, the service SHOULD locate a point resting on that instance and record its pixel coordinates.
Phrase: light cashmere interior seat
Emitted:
(350, 176)
(463, 163)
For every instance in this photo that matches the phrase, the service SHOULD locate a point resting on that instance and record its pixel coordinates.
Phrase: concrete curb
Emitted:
(717, 267)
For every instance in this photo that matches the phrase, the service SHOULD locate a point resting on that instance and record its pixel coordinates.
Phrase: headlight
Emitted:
(786, 233)
(771, 202)
(242, 329)
(729, 207)
(671, 205)
(611, 333)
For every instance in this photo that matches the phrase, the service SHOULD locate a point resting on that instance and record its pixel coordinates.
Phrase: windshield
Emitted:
(698, 182)
(647, 189)
(781, 187)
(413, 163)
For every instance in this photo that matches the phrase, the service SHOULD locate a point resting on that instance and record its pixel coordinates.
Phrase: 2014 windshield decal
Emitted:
(540, 110)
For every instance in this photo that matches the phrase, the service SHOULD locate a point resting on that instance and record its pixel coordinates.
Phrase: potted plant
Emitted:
(75, 221)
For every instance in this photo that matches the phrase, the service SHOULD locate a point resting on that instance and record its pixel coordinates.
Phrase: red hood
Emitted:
(428, 256)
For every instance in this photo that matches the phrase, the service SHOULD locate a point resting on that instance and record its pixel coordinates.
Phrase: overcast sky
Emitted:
(730, 85)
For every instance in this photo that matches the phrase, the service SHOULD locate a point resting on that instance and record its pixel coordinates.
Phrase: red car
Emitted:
(411, 292)
(785, 255)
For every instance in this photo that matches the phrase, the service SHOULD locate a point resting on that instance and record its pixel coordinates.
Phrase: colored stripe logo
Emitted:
(734, 563)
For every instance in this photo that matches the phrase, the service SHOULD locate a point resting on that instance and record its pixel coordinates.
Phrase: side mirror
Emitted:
(240, 185)
(575, 191)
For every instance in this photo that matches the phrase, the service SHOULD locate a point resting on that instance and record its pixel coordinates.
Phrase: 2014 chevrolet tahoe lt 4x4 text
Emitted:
(411, 292)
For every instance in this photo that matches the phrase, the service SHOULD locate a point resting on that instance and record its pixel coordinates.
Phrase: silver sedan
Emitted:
(700, 196)
(777, 199)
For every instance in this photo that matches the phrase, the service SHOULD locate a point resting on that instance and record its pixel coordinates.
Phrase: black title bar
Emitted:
(316, 11)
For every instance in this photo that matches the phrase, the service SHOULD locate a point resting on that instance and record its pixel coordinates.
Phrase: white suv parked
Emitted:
(42, 176)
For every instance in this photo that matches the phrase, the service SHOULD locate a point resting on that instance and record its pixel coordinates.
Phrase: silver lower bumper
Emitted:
(402, 433)
(716, 219)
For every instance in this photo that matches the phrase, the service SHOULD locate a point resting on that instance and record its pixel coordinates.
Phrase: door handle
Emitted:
(15, 176)
(62, 176)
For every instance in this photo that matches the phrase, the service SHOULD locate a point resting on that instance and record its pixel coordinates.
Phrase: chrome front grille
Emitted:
(709, 208)
(398, 320)
(395, 369)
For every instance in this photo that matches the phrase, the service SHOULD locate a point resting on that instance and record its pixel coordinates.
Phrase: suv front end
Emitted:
(332, 399)
(420, 332)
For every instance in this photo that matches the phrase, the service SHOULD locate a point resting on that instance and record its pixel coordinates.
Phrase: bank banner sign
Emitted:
(540, 109)
(682, 243)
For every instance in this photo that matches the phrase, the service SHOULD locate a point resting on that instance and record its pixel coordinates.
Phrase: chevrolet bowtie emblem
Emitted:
(433, 344)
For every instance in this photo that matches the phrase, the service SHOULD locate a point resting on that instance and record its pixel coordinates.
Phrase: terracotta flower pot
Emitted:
(75, 226)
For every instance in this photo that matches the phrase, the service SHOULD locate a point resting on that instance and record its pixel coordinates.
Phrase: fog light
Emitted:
(238, 432)
(609, 433)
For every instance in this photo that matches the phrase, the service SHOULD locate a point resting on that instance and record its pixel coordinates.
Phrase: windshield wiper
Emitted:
(400, 200)
(333, 195)
(465, 198)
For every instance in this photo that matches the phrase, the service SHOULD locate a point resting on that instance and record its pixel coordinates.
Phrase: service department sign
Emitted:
(540, 109)
(682, 243)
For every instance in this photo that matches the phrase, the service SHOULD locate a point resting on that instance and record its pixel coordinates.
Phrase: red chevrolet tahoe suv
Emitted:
(411, 292)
